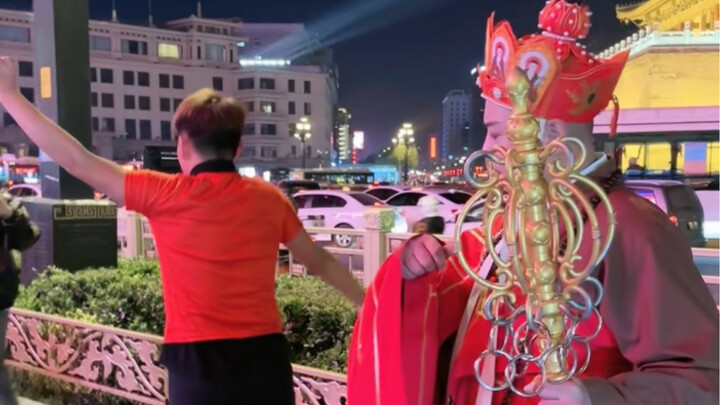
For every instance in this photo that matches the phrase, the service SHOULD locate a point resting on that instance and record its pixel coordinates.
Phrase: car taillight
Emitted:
(673, 219)
(379, 204)
(454, 211)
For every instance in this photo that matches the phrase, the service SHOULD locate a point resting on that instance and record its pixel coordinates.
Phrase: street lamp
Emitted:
(406, 138)
(302, 132)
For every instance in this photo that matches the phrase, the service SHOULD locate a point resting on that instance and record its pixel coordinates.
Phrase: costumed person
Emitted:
(422, 327)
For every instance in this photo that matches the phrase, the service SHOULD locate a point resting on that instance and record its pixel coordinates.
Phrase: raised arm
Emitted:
(99, 173)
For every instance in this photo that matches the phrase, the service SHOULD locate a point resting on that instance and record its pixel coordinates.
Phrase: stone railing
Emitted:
(122, 363)
(650, 37)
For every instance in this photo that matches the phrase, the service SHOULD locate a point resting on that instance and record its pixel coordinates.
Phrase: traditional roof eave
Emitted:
(666, 13)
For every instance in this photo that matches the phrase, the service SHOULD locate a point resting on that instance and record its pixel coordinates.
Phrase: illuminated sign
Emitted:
(45, 82)
(354, 156)
(433, 147)
(359, 140)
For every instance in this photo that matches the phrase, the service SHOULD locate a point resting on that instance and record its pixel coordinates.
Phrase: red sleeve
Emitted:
(291, 225)
(147, 191)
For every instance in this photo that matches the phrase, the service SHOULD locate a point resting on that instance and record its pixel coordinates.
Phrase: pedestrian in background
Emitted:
(17, 234)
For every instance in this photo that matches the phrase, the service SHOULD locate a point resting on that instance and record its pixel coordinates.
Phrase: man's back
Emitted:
(217, 236)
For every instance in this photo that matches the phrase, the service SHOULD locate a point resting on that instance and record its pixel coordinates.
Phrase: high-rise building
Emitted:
(140, 74)
(456, 124)
(344, 140)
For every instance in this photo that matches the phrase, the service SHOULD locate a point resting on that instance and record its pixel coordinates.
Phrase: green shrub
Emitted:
(317, 321)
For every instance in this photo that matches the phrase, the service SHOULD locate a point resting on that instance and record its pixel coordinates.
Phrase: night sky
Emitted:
(397, 58)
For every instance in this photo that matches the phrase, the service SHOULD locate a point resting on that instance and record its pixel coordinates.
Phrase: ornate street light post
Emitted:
(405, 137)
(302, 132)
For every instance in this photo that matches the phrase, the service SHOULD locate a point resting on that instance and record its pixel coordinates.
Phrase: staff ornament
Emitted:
(540, 294)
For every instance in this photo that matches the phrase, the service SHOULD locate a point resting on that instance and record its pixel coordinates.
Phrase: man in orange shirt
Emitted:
(217, 235)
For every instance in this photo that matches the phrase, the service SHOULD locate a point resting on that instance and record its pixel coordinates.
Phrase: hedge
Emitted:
(317, 321)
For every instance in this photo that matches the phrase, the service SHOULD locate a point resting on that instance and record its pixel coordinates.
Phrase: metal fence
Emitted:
(122, 363)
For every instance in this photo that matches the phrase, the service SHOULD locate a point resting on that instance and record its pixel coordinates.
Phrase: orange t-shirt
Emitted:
(217, 236)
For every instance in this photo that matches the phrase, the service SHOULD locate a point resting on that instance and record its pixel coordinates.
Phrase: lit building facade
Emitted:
(668, 92)
(455, 125)
(140, 74)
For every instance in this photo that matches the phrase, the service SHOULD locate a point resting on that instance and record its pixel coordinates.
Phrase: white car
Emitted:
(25, 190)
(339, 210)
(384, 193)
(450, 202)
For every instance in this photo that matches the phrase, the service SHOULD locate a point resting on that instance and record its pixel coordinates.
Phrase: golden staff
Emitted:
(541, 198)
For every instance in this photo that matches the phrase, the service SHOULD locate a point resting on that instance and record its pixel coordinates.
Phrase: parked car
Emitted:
(384, 193)
(339, 210)
(25, 190)
(450, 203)
(679, 201)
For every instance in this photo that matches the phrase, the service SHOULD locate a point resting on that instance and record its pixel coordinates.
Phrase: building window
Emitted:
(199, 52)
(93, 74)
(169, 51)
(178, 82)
(129, 102)
(143, 79)
(291, 107)
(164, 104)
(95, 124)
(100, 43)
(232, 56)
(176, 103)
(214, 52)
(267, 84)
(268, 151)
(108, 125)
(106, 76)
(130, 129)
(144, 103)
(128, 78)
(291, 85)
(107, 100)
(308, 150)
(25, 69)
(268, 129)
(247, 83)
(145, 129)
(217, 83)
(28, 93)
(268, 107)
(250, 106)
(165, 131)
(308, 109)
(164, 81)
(8, 119)
(248, 129)
(14, 34)
(307, 87)
(247, 152)
(133, 47)
(293, 150)
(93, 99)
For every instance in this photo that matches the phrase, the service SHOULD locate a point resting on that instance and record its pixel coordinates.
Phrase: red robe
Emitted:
(659, 342)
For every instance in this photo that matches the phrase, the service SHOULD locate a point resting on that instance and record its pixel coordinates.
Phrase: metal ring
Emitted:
(586, 363)
(478, 373)
(596, 332)
(587, 309)
(492, 338)
(522, 393)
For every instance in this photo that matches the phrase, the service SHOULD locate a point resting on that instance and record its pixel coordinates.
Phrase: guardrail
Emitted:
(122, 363)
(367, 251)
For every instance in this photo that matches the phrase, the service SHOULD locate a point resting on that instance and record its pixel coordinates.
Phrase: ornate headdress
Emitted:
(567, 82)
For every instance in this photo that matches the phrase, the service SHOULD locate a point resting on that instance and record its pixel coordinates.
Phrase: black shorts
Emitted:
(253, 371)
